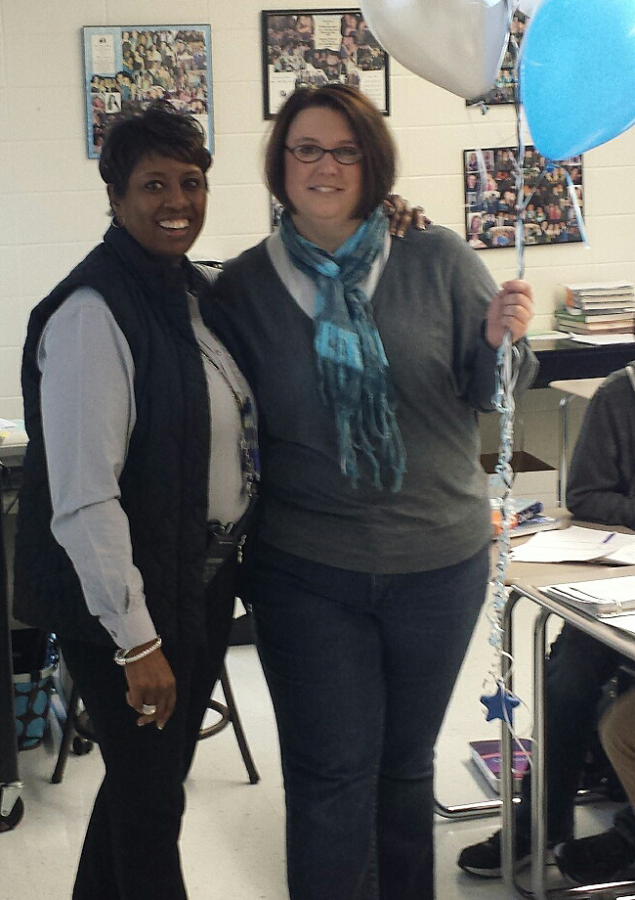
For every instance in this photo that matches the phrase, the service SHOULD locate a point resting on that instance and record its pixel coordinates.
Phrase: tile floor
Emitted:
(232, 841)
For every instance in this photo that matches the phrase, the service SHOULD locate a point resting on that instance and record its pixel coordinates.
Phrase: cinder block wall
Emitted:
(53, 204)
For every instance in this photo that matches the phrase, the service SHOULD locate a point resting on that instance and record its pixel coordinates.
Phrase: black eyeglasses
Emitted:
(311, 153)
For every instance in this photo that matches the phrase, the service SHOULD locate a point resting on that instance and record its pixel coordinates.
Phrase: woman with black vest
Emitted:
(128, 493)
(370, 359)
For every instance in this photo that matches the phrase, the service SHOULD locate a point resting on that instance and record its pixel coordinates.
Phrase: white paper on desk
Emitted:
(623, 553)
(626, 622)
(601, 339)
(548, 336)
(608, 590)
(575, 544)
(602, 597)
(7, 423)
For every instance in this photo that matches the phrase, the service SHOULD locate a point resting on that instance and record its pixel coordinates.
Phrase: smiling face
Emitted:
(325, 194)
(164, 205)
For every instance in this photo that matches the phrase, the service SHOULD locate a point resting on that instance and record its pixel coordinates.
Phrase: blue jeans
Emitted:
(360, 669)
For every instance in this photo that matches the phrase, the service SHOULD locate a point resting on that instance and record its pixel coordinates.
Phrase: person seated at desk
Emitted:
(609, 855)
(601, 488)
(604, 491)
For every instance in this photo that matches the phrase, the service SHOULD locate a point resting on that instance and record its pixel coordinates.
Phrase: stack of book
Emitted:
(606, 308)
(526, 518)
(486, 756)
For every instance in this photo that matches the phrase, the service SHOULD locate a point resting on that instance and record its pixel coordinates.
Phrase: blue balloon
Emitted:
(577, 74)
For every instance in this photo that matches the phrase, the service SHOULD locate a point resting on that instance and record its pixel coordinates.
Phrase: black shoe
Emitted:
(627, 874)
(595, 859)
(484, 859)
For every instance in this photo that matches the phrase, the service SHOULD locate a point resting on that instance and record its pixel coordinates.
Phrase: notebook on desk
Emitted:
(602, 597)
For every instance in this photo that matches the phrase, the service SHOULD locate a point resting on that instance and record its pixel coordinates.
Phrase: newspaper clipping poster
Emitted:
(312, 48)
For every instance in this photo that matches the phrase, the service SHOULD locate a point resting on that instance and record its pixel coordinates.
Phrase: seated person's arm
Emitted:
(601, 485)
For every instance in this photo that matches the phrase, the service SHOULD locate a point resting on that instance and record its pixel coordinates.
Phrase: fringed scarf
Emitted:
(350, 356)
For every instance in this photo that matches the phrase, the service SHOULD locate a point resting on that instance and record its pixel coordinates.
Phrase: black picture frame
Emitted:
(317, 46)
(505, 88)
(490, 208)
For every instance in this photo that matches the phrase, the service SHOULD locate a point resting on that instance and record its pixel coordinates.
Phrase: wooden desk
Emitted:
(566, 359)
(527, 579)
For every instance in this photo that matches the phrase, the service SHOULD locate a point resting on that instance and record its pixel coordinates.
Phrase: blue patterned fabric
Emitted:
(351, 361)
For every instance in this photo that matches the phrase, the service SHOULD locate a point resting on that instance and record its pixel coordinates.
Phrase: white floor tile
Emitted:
(233, 833)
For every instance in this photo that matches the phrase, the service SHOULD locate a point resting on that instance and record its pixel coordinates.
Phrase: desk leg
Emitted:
(539, 796)
(508, 828)
(564, 450)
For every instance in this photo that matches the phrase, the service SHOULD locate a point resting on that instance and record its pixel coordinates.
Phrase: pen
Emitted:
(608, 537)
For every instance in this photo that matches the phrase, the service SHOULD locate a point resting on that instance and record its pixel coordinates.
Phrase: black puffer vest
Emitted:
(164, 482)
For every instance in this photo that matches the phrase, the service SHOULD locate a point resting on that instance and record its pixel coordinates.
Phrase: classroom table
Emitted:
(526, 580)
(11, 805)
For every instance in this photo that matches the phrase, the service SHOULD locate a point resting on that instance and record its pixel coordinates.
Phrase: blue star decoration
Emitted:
(500, 704)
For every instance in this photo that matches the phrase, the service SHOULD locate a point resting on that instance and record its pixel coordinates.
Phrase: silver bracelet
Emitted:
(122, 659)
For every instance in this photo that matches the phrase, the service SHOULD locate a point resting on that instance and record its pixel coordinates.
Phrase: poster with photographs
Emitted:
(308, 47)
(129, 66)
(506, 84)
(490, 203)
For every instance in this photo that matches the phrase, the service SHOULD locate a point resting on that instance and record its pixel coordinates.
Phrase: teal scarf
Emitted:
(351, 361)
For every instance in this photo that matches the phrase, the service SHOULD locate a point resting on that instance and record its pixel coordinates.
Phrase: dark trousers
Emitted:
(577, 668)
(360, 669)
(130, 850)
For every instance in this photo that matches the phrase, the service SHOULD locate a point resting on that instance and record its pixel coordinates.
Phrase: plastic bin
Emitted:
(34, 663)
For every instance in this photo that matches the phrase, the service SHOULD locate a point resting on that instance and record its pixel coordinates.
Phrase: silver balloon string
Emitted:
(507, 363)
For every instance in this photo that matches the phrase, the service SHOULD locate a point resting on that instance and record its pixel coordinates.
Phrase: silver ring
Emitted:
(148, 710)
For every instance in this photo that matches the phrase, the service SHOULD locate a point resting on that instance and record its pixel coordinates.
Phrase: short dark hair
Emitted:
(371, 132)
(159, 128)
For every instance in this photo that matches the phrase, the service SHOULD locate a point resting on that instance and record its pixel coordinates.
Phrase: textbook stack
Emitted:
(605, 308)
(486, 756)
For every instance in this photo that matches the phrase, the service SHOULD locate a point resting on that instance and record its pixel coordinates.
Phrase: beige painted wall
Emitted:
(53, 204)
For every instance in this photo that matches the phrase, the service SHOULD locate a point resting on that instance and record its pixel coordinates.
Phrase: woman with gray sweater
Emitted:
(370, 359)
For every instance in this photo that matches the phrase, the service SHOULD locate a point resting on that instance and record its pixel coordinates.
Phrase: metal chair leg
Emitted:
(67, 737)
(228, 712)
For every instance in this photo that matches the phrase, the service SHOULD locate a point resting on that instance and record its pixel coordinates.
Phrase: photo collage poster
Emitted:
(316, 47)
(506, 84)
(129, 66)
(490, 205)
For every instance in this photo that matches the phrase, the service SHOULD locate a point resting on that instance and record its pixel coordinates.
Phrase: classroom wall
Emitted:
(53, 204)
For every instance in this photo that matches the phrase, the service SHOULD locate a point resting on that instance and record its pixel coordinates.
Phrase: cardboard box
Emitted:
(533, 478)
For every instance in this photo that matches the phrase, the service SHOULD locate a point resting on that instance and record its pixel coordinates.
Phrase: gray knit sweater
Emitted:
(429, 306)
(601, 485)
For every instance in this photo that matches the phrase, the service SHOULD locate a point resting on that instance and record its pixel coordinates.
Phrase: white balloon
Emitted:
(529, 7)
(457, 44)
